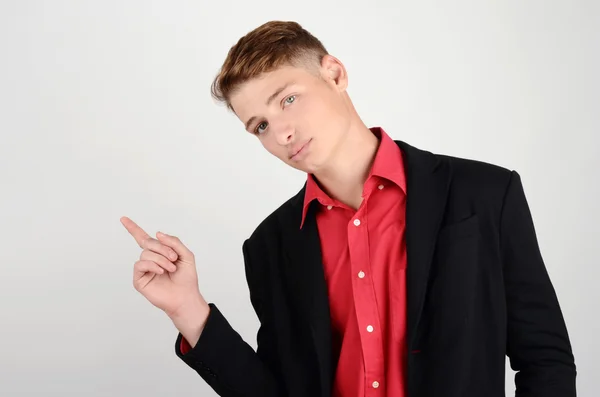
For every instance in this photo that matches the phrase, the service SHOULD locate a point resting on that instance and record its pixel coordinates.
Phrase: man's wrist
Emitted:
(191, 319)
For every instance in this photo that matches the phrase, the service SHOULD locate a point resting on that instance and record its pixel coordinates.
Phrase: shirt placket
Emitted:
(365, 302)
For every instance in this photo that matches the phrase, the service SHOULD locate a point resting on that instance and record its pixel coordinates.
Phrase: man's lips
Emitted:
(298, 149)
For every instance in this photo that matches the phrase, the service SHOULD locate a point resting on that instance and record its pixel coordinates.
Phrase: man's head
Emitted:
(288, 91)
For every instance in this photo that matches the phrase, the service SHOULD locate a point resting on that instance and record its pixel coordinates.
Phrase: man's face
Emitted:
(299, 116)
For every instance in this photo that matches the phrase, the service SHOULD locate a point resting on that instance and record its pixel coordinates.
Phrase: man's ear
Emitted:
(335, 72)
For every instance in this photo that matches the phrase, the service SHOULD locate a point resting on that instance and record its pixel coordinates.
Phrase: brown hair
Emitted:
(264, 49)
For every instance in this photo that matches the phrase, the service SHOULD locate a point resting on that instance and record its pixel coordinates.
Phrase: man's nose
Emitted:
(285, 133)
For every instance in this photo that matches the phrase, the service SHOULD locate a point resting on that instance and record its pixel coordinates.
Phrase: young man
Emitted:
(393, 272)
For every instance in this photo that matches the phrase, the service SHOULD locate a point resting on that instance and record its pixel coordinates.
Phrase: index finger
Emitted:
(137, 232)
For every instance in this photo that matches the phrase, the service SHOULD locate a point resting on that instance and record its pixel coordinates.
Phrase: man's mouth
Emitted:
(297, 150)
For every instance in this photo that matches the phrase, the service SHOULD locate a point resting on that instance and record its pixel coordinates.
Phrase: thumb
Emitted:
(175, 243)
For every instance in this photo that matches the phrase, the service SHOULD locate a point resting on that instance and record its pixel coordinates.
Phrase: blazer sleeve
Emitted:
(538, 345)
(225, 361)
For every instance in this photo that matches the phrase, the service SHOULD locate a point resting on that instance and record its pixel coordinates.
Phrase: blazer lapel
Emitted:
(427, 181)
(305, 278)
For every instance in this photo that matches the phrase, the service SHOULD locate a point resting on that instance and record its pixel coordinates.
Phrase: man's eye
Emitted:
(290, 99)
(260, 127)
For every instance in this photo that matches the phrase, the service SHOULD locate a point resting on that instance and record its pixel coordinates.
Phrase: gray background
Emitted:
(105, 111)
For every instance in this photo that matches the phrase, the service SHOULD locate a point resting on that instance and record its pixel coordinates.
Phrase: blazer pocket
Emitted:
(457, 248)
(463, 228)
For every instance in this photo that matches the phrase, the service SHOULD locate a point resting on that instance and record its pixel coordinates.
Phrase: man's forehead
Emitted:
(269, 81)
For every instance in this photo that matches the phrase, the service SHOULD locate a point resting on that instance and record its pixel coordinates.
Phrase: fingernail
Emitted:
(173, 256)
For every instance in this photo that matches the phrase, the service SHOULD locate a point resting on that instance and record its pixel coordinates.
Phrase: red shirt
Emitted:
(364, 258)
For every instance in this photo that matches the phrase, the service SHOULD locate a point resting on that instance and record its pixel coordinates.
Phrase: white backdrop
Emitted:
(105, 111)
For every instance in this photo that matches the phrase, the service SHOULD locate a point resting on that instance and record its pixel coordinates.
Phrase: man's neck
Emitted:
(345, 176)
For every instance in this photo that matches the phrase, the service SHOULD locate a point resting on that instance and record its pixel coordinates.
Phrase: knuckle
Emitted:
(144, 255)
(150, 243)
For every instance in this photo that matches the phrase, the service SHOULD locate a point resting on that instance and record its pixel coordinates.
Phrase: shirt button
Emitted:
(356, 222)
(361, 274)
(370, 328)
(329, 207)
(380, 187)
(375, 385)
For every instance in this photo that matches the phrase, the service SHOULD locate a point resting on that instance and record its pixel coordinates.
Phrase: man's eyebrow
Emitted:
(250, 121)
(270, 99)
(277, 92)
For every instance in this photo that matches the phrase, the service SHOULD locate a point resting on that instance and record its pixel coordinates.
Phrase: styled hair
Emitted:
(265, 49)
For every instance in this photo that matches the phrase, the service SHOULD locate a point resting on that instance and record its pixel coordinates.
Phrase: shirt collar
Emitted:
(388, 164)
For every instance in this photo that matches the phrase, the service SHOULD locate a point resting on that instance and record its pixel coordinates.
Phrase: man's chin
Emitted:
(301, 166)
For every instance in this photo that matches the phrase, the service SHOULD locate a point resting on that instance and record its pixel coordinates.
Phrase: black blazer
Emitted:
(477, 291)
